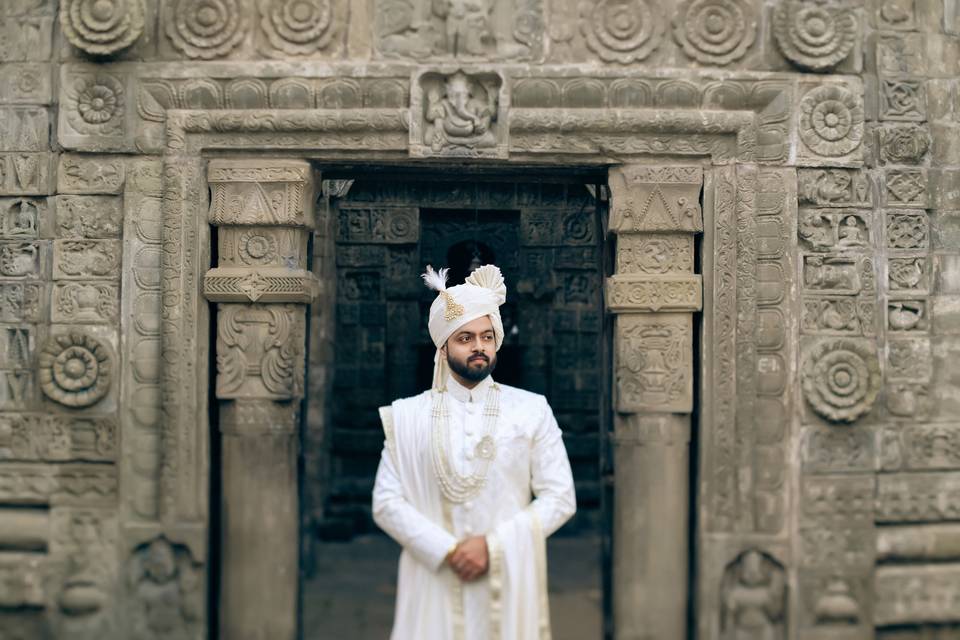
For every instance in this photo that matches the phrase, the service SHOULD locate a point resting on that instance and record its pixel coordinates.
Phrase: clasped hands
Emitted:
(469, 559)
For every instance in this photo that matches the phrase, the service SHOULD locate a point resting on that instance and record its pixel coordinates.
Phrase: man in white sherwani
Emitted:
(473, 478)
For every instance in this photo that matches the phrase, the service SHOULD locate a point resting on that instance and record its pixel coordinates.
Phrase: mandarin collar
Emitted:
(461, 393)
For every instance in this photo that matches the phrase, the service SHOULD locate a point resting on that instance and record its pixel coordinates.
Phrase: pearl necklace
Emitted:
(459, 488)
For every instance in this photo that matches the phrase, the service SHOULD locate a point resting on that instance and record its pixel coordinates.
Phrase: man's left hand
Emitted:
(470, 559)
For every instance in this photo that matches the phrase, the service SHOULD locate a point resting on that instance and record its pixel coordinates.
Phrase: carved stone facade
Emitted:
(776, 250)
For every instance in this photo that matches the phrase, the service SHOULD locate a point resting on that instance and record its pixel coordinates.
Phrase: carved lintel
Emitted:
(654, 362)
(632, 293)
(656, 198)
(244, 417)
(260, 351)
(225, 284)
(261, 192)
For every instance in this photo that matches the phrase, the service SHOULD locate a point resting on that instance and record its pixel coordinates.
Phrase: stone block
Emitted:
(83, 174)
(27, 173)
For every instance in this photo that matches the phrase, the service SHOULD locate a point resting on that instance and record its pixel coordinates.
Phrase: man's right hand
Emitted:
(470, 559)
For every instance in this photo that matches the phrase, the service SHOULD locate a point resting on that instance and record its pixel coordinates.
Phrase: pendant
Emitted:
(486, 449)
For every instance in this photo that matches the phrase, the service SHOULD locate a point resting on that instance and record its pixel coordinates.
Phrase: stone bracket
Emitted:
(225, 284)
(652, 293)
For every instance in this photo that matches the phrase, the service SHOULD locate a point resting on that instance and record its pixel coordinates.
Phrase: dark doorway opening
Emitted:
(382, 228)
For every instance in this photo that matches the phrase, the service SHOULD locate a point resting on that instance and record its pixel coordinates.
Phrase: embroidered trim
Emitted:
(389, 440)
(456, 587)
(453, 309)
(495, 559)
(540, 558)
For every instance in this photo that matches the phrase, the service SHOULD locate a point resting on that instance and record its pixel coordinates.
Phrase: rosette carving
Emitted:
(715, 31)
(206, 28)
(75, 370)
(95, 104)
(841, 379)
(297, 27)
(621, 30)
(102, 27)
(831, 120)
(813, 36)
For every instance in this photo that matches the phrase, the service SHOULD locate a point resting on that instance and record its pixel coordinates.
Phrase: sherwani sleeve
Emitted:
(550, 476)
(427, 541)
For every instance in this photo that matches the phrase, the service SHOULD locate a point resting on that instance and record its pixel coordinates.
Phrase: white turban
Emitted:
(481, 295)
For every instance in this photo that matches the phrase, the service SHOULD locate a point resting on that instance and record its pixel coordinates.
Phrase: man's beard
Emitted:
(468, 371)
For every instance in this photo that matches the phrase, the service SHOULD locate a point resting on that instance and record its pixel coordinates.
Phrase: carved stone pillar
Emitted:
(655, 212)
(263, 211)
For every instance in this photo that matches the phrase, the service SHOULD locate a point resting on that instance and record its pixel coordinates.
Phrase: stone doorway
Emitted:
(545, 232)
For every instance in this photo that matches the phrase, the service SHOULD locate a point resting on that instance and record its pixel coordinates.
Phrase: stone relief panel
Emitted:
(654, 362)
(753, 598)
(715, 32)
(461, 29)
(815, 36)
(656, 198)
(279, 28)
(841, 378)
(165, 587)
(459, 115)
(831, 125)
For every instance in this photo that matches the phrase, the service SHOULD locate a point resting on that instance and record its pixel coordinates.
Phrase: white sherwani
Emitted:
(510, 601)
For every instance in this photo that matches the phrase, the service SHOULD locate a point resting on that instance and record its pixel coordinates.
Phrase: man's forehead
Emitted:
(480, 325)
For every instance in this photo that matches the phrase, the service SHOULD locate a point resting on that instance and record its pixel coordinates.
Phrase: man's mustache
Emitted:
(478, 357)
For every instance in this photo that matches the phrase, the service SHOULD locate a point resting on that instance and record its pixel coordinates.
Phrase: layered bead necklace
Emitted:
(459, 488)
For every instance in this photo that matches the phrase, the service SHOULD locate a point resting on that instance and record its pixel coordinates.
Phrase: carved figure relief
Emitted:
(167, 592)
(20, 218)
(95, 104)
(206, 29)
(834, 187)
(88, 217)
(908, 273)
(102, 27)
(814, 36)
(462, 29)
(19, 259)
(831, 120)
(907, 315)
(838, 274)
(458, 115)
(841, 378)
(833, 229)
(621, 30)
(753, 596)
(715, 32)
(842, 315)
(75, 369)
(75, 259)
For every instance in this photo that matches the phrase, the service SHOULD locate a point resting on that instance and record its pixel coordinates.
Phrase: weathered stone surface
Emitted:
(813, 145)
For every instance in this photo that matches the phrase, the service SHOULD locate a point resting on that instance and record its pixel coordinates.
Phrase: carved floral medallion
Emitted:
(813, 36)
(621, 30)
(206, 29)
(297, 27)
(841, 379)
(715, 31)
(95, 104)
(102, 27)
(831, 120)
(75, 369)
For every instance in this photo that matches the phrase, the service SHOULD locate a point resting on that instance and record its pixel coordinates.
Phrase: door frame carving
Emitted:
(728, 143)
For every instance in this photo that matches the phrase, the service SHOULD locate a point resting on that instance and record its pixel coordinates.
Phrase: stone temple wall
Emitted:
(824, 137)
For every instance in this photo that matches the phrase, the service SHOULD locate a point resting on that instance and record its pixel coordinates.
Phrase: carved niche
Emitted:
(455, 114)
(753, 597)
(462, 29)
(167, 590)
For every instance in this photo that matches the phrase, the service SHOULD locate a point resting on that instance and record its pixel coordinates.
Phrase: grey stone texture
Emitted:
(774, 275)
